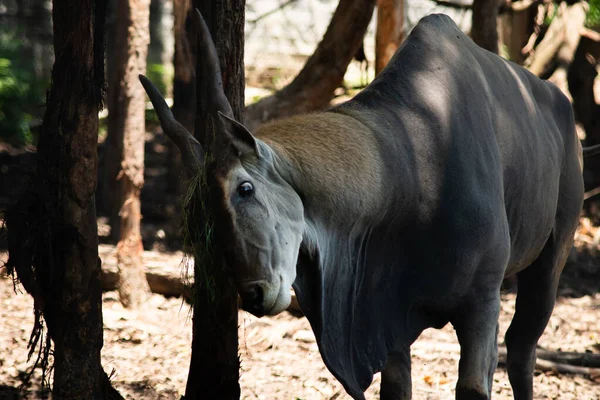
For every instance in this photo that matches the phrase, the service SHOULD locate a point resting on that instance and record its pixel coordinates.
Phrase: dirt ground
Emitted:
(147, 351)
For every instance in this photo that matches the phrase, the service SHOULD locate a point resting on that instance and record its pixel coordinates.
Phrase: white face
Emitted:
(268, 221)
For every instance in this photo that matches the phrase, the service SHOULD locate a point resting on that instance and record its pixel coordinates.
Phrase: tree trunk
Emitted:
(484, 28)
(160, 50)
(390, 31)
(184, 91)
(52, 231)
(126, 127)
(214, 367)
(113, 147)
(582, 75)
(515, 29)
(324, 71)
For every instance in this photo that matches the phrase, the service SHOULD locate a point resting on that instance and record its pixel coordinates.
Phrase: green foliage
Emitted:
(102, 128)
(20, 92)
(548, 18)
(159, 75)
(151, 116)
(593, 15)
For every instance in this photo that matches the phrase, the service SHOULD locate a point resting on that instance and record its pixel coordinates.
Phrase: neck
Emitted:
(333, 162)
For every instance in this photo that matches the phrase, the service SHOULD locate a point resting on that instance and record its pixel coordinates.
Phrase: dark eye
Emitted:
(245, 189)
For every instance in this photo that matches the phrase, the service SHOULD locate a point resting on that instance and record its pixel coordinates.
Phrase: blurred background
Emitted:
(559, 41)
(299, 56)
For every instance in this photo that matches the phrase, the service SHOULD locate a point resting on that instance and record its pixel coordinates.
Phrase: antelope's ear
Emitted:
(238, 135)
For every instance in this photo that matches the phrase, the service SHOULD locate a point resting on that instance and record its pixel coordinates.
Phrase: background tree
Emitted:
(184, 90)
(324, 71)
(160, 49)
(390, 31)
(52, 231)
(484, 28)
(125, 141)
(516, 25)
(214, 367)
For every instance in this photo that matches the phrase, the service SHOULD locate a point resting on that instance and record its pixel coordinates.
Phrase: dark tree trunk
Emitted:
(112, 147)
(184, 100)
(53, 241)
(126, 130)
(484, 28)
(390, 31)
(324, 71)
(582, 74)
(214, 367)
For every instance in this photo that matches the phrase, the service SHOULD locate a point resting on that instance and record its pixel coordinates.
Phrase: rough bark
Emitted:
(126, 129)
(484, 28)
(390, 31)
(184, 91)
(214, 366)
(324, 71)
(52, 231)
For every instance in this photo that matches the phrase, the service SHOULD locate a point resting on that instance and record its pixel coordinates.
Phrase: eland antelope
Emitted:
(403, 209)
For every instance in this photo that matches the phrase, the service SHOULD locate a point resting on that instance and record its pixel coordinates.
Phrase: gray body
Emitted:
(480, 173)
(404, 209)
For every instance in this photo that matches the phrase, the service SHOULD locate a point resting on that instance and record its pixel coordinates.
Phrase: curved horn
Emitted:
(207, 53)
(192, 153)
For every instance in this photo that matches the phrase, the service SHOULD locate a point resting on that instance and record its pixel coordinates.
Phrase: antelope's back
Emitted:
(456, 112)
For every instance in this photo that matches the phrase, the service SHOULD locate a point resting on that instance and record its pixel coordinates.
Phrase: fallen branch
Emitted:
(561, 362)
(517, 6)
(590, 34)
(591, 193)
(545, 51)
(563, 32)
(164, 276)
(551, 366)
(591, 360)
(542, 9)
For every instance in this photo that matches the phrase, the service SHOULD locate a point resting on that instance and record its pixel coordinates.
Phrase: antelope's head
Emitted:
(259, 216)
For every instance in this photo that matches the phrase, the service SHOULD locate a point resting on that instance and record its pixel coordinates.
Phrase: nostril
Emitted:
(255, 293)
(252, 298)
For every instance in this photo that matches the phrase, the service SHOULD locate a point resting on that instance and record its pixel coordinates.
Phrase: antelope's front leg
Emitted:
(477, 330)
(395, 377)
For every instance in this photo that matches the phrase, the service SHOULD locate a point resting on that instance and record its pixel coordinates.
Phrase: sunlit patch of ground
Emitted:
(148, 351)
